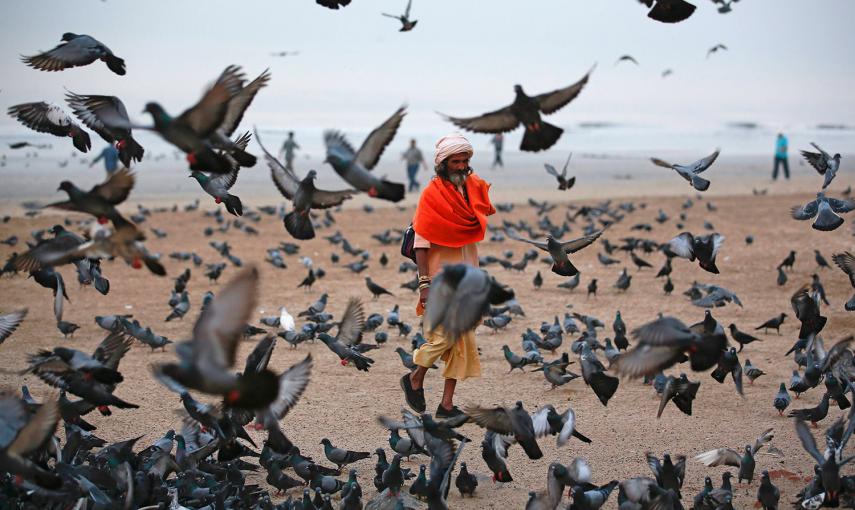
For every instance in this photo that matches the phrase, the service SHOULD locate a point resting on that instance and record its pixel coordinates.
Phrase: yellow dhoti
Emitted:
(460, 357)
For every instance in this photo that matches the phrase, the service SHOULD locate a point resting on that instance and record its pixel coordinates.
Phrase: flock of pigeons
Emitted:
(208, 467)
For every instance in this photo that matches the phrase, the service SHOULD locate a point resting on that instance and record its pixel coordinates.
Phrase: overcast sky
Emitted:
(790, 61)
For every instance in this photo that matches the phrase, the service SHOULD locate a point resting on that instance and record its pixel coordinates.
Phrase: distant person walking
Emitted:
(413, 156)
(288, 148)
(781, 157)
(498, 140)
(110, 155)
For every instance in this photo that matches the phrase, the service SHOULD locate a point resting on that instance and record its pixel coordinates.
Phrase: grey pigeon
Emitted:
(824, 209)
(355, 166)
(76, 50)
(50, 118)
(690, 172)
(824, 163)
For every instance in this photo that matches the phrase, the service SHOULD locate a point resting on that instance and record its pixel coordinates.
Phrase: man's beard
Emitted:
(458, 178)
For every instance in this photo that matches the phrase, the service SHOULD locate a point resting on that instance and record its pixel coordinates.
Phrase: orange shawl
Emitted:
(444, 217)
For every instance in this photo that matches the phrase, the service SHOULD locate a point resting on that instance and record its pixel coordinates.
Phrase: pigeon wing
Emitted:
(220, 327)
(209, 113)
(702, 164)
(63, 56)
(805, 212)
(99, 113)
(495, 419)
(10, 322)
(720, 457)
(284, 178)
(841, 206)
(846, 262)
(551, 102)
(241, 101)
(499, 121)
(373, 146)
(582, 242)
(352, 323)
(116, 188)
(816, 160)
(35, 116)
(292, 384)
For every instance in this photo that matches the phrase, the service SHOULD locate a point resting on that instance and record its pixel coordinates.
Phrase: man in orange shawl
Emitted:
(450, 220)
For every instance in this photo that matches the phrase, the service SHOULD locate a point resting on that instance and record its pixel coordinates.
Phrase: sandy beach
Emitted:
(342, 404)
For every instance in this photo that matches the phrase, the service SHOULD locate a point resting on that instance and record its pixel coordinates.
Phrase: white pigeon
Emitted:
(286, 321)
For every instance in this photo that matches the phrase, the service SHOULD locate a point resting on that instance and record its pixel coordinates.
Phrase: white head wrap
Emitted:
(451, 144)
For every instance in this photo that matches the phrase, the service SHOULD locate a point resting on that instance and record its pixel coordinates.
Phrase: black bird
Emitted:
(592, 287)
(563, 182)
(806, 309)
(333, 4)
(593, 373)
(309, 280)
(788, 261)
(76, 50)
(465, 482)
(375, 289)
(304, 195)
(668, 287)
(741, 337)
(669, 11)
(774, 323)
(704, 248)
(538, 280)
(639, 262)
(820, 260)
(525, 110)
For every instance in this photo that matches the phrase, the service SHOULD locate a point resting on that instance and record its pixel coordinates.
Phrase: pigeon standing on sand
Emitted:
(355, 166)
(376, 290)
(525, 110)
(690, 172)
(50, 118)
(824, 163)
(782, 399)
(76, 50)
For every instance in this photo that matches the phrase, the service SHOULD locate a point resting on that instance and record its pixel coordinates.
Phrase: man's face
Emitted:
(458, 162)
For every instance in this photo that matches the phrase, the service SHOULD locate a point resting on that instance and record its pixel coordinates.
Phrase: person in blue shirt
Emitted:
(110, 155)
(781, 157)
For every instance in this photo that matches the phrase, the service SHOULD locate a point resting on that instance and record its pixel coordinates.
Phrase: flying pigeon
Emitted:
(303, 194)
(823, 163)
(525, 110)
(107, 116)
(76, 50)
(406, 23)
(690, 172)
(50, 118)
(355, 166)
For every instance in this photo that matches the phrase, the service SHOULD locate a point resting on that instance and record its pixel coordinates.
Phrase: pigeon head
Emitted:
(312, 174)
(518, 89)
(66, 186)
(325, 441)
(199, 176)
(68, 36)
